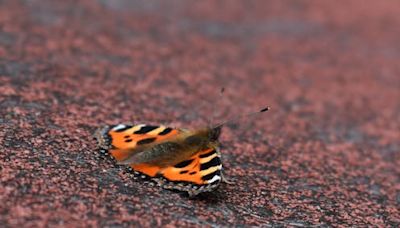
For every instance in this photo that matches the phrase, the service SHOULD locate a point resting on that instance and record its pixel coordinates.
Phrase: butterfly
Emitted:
(175, 158)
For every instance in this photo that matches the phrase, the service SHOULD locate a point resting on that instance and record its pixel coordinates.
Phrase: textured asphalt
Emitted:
(326, 154)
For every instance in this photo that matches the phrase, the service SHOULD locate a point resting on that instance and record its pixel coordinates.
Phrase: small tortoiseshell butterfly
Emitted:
(179, 159)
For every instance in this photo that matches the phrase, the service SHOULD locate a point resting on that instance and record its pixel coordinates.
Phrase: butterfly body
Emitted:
(185, 160)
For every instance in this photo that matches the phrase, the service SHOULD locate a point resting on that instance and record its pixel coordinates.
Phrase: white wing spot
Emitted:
(118, 127)
(215, 178)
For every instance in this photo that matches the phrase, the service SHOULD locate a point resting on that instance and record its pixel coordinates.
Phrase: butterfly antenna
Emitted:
(210, 122)
(235, 118)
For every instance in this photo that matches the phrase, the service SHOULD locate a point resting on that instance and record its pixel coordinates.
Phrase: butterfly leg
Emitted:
(226, 180)
(223, 179)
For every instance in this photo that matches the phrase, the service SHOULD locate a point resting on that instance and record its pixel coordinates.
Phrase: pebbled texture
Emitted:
(326, 154)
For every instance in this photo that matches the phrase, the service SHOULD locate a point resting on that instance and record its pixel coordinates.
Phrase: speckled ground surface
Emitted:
(327, 154)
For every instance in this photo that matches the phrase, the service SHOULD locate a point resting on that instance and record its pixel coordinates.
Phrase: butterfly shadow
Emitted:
(213, 197)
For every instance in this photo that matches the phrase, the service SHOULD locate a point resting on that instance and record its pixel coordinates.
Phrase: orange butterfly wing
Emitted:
(199, 169)
(119, 139)
(201, 172)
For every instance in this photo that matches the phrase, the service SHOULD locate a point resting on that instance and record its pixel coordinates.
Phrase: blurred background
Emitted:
(326, 154)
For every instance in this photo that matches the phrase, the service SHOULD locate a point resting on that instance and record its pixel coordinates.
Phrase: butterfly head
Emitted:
(214, 133)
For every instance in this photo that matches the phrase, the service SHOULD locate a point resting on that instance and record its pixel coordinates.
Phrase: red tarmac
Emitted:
(327, 153)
